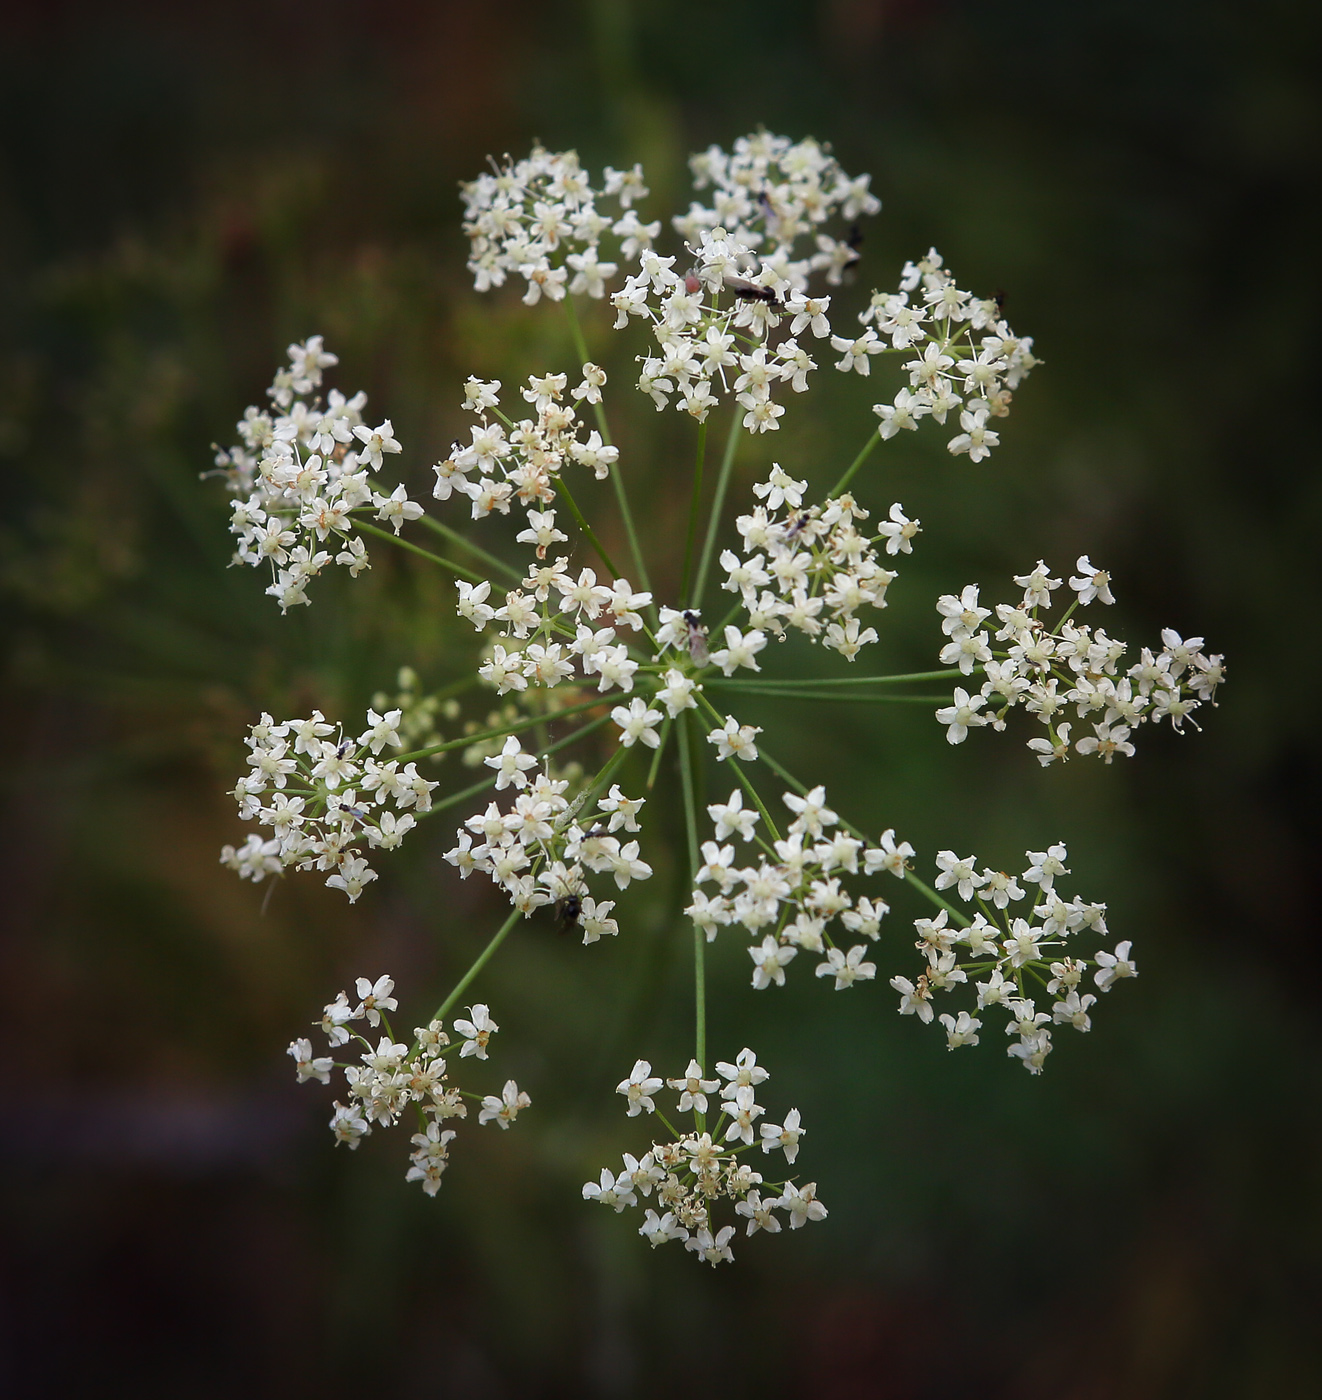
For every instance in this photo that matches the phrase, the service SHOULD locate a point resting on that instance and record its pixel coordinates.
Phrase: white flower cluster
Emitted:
(391, 1075)
(302, 470)
(810, 568)
(545, 621)
(538, 851)
(713, 322)
(521, 460)
(324, 795)
(712, 325)
(798, 894)
(692, 1172)
(539, 218)
(546, 634)
(770, 192)
(1045, 669)
(948, 372)
(733, 316)
(1017, 955)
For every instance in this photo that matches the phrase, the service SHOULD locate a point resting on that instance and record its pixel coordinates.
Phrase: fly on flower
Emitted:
(697, 640)
(568, 910)
(752, 291)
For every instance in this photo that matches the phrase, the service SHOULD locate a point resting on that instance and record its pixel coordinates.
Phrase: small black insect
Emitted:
(853, 242)
(752, 291)
(796, 526)
(697, 640)
(567, 913)
(999, 299)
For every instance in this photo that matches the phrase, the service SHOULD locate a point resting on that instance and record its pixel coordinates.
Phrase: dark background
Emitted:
(183, 190)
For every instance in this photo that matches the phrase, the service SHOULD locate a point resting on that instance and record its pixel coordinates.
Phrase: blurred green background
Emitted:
(183, 190)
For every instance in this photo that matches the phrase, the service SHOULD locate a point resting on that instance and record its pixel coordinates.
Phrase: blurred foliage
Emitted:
(186, 189)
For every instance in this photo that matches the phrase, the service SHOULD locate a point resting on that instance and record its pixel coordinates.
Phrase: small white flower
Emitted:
(660, 1229)
(962, 716)
(1113, 967)
(505, 1109)
(847, 968)
(639, 1088)
(376, 441)
(770, 960)
(783, 1136)
(714, 1251)
(307, 1067)
(961, 1031)
(476, 1032)
(1091, 583)
(735, 739)
(374, 998)
(802, 1204)
(731, 817)
(613, 1191)
(511, 764)
(694, 1089)
(637, 722)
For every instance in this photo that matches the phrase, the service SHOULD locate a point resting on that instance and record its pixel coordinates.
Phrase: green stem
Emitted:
(581, 350)
(563, 491)
(694, 507)
(483, 958)
(787, 694)
(456, 797)
(660, 749)
(868, 448)
(476, 551)
(961, 919)
(670, 1127)
(578, 734)
(607, 772)
(719, 629)
(457, 569)
(617, 481)
(699, 939)
(500, 733)
(644, 583)
(949, 673)
(1065, 616)
(779, 768)
(718, 503)
(746, 783)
